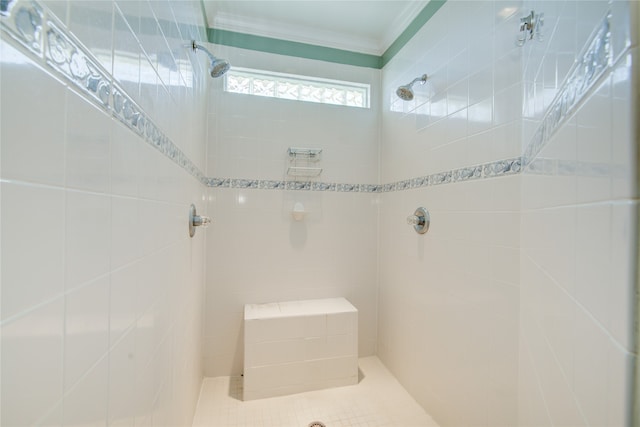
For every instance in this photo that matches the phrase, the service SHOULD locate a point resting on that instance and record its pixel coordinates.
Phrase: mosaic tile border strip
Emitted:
(48, 42)
(595, 61)
(561, 167)
(488, 170)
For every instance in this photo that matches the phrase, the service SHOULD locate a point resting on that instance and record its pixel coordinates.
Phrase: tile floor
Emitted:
(377, 401)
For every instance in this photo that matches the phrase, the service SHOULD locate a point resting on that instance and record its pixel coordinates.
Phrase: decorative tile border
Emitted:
(560, 167)
(585, 74)
(47, 41)
(488, 170)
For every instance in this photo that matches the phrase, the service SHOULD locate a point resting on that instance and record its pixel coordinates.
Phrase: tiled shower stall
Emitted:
(518, 307)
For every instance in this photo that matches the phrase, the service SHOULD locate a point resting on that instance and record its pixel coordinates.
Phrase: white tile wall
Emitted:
(466, 341)
(249, 135)
(448, 303)
(448, 300)
(101, 285)
(468, 111)
(332, 253)
(577, 281)
(562, 289)
(534, 330)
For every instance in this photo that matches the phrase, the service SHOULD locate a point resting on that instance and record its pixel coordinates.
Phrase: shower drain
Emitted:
(317, 424)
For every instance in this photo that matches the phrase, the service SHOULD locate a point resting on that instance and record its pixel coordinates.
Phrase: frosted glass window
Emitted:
(298, 88)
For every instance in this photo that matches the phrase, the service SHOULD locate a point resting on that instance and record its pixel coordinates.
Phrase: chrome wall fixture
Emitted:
(196, 220)
(303, 162)
(530, 25)
(405, 92)
(420, 220)
(218, 66)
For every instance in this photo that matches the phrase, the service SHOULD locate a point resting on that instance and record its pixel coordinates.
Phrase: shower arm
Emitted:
(422, 79)
(195, 46)
(417, 79)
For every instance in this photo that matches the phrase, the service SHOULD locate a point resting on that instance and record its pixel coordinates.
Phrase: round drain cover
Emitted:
(317, 424)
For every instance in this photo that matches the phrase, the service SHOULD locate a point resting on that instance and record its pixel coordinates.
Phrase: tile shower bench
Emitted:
(296, 346)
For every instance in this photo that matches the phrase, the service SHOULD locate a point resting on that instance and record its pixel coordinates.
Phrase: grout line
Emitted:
(580, 306)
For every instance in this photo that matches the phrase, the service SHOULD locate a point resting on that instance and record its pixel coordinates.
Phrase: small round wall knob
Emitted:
(196, 220)
(420, 220)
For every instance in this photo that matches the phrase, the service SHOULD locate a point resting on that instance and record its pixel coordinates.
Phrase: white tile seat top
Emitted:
(298, 308)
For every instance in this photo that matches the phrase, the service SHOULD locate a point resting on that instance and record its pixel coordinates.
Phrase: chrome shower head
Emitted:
(405, 92)
(218, 66)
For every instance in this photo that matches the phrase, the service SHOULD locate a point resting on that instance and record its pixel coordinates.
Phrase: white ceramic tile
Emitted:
(344, 323)
(623, 242)
(594, 132)
(126, 52)
(87, 237)
(32, 383)
(59, 8)
(121, 382)
(458, 66)
(144, 392)
(76, 150)
(149, 35)
(556, 240)
(40, 242)
(130, 10)
(272, 352)
(54, 418)
(149, 187)
(341, 345)
(86, 403)
(593, 260)
(624, 184)
(591, 346)
(378, 400)
(506, 71)
(125, 161)
(508, 13)
(23, 85)
(507, 104)
(86, 329)
(480, 117)
(125, 231)
(458, 96)
(88, 146)
(457, 127)
(92, 23)
(122, 301)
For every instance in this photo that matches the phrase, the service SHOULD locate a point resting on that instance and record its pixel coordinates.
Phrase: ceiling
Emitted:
(365, 26)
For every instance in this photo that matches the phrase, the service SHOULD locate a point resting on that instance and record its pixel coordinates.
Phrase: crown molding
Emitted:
(399, 24)
(295, 33)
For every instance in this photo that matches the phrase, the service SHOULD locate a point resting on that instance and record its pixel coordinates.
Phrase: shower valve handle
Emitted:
(196, 220)
(415, 220)
(201, 221)
(420, 220)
